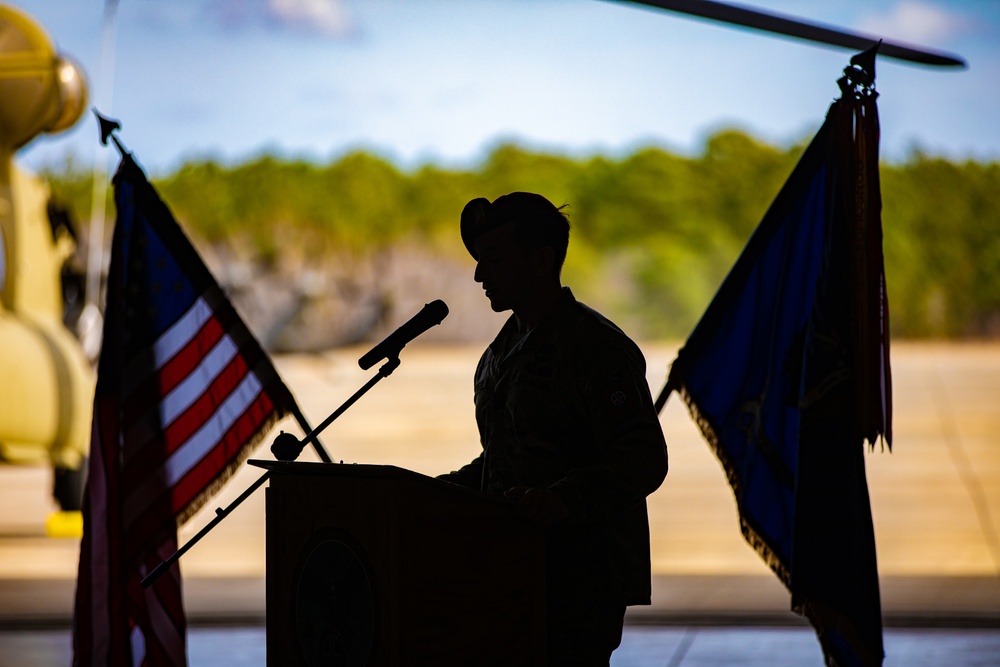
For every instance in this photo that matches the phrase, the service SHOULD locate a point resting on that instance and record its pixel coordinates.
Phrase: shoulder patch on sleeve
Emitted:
(618, 398)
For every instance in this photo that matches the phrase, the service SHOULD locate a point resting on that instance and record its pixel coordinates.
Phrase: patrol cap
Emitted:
(540, 222)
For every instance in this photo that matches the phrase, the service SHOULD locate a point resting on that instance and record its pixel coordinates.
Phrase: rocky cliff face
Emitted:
(294, 307)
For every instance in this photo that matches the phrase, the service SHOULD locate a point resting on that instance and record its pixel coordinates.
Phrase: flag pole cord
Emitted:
(283, 451)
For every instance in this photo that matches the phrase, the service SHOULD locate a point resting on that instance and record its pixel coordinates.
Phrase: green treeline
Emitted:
(653, 233)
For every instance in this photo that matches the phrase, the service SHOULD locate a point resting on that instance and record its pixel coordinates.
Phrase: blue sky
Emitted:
(444, 80)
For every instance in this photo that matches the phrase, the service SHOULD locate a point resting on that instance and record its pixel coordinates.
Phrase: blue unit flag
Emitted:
(787, 374)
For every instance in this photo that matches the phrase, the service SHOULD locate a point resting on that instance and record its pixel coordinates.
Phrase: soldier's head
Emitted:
(536, 221)
(519, 242)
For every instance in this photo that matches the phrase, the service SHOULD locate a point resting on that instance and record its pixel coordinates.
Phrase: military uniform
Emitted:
(567, 407)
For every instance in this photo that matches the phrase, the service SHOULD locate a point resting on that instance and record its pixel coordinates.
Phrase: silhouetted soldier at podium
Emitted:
(567, 426)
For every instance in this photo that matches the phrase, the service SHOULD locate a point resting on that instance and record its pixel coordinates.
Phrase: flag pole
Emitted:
(306, 428)
(661, 400)
(668, 388)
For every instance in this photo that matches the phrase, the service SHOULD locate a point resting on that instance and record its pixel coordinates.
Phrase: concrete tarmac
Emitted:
(935, 503)
(641, 647)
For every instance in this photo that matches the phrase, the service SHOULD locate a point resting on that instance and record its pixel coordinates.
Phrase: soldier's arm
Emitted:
(470, 475)
(631, 461)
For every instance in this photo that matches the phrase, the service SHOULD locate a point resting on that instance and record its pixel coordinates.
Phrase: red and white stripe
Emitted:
(189, 416)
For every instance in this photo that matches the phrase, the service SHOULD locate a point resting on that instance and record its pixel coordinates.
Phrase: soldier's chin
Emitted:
(497, 305)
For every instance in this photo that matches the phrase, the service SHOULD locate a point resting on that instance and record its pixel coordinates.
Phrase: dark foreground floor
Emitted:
(641, 646)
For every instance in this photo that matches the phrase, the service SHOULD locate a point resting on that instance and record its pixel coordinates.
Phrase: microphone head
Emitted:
(437, 310)
(431, 314)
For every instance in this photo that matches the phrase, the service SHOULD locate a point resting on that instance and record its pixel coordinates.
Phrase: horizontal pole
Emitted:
(792, 27)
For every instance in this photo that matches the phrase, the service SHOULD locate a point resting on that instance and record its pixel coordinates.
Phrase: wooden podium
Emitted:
(377, 565)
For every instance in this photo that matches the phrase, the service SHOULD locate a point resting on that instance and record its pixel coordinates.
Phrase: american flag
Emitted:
(184, 393)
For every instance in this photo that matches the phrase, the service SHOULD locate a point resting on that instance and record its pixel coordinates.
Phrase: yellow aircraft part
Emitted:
(47, 89)
(46, 382)
(45, 395)
(31, 284)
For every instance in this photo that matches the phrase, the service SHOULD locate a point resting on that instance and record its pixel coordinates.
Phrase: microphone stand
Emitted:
(391, 364)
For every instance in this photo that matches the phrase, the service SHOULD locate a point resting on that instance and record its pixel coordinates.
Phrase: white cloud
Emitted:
(328, 17)
(917, 22)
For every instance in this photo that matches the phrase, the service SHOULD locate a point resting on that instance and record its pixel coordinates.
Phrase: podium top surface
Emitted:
(340, 470)
(372, 471)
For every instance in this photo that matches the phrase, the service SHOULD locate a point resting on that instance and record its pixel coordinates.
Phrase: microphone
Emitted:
(431, 314)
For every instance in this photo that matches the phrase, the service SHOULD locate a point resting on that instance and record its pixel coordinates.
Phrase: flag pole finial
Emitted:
(859, 76)
(108, 127)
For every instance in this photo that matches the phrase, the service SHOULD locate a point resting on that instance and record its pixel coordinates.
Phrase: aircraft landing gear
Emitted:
(67, 487)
